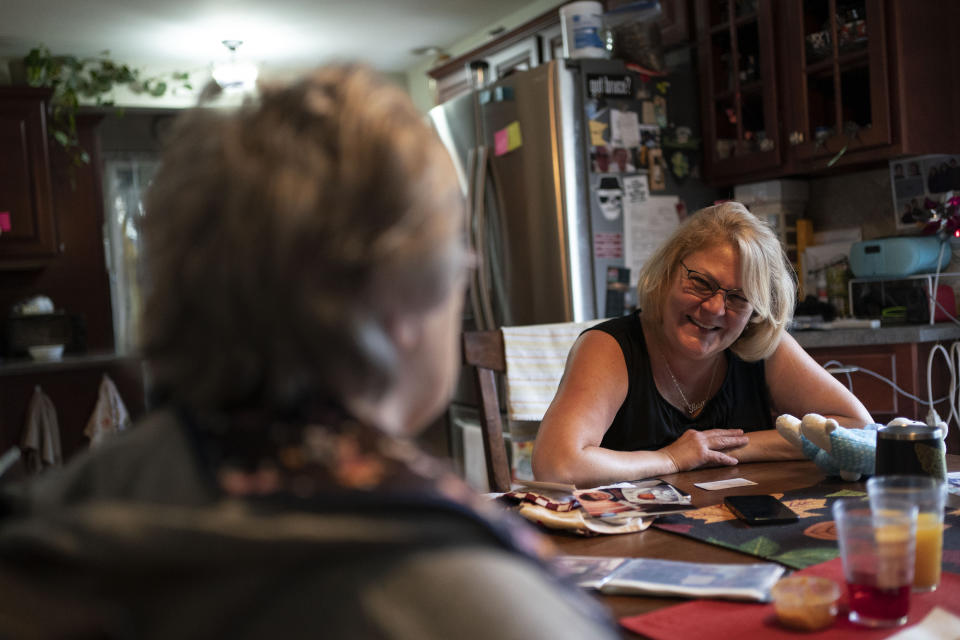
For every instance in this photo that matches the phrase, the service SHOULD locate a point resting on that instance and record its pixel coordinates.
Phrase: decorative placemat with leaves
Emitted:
(809, 541)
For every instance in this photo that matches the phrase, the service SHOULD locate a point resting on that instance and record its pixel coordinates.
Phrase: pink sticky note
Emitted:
(4, 221)
(501, 142)
(507, 139)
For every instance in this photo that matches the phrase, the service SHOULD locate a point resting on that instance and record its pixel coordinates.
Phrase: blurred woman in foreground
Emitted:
(306, 272)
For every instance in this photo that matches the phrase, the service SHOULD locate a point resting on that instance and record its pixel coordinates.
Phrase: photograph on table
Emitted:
(645, 497)
(917, 181)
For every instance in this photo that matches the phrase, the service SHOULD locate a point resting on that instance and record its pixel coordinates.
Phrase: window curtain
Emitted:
(126, 177)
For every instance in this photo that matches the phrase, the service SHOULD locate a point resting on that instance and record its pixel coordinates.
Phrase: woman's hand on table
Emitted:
(695, 449)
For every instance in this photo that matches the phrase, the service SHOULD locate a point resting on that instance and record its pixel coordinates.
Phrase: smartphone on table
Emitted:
(759, 509)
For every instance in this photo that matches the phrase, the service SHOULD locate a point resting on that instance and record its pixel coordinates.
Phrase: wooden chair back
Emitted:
(483, 350)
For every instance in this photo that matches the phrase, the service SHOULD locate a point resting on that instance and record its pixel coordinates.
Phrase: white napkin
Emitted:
(41, 434)
(939, 624)
(109, 416)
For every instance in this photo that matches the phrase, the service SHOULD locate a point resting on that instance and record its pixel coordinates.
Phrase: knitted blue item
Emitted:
(852, 451)
(848, 453)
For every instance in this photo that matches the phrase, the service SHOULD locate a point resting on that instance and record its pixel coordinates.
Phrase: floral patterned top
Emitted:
(341, 463)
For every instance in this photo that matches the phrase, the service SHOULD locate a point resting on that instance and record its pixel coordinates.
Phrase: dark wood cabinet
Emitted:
(830, 83)
(76, 277)
(450, 85)
(25, 186)
(739, 109)
(835, 62)
(675, 23)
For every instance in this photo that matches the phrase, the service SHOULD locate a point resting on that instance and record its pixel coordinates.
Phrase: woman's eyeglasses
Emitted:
(705, 287)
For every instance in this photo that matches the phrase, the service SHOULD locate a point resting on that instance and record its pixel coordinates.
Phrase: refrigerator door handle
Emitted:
(472, 245)
(486, 317)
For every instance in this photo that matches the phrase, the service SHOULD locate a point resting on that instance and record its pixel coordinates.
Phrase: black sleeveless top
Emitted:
(646, 421)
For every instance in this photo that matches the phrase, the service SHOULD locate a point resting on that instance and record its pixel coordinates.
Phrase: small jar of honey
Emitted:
(806, 603)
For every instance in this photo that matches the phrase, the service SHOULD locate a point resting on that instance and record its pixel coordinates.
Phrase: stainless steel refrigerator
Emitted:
(543, 201)
(521, 146)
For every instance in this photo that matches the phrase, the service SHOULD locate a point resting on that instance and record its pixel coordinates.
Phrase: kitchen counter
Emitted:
(940, 332)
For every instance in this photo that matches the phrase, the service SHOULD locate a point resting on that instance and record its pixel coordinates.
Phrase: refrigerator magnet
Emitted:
(610, 197)
(657, 174)
(597, 130)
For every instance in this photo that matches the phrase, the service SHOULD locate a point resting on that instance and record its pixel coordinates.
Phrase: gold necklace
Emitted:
(694, 408)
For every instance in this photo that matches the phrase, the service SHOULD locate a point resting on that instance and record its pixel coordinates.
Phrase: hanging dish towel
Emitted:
(109, 416)
(535, 356)
(41, 434)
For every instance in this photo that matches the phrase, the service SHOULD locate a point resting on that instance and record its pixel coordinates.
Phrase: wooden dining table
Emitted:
(771, 477)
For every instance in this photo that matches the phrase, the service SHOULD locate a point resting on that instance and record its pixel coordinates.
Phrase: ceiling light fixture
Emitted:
(234, 75)
(429, 50)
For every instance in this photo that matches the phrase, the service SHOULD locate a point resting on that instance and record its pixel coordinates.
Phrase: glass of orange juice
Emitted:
(929, 494)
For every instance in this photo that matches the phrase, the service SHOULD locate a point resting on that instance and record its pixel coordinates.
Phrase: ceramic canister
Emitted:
(914, 449)
(581, 27)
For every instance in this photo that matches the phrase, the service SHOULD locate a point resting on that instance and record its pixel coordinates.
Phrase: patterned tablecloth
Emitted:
(809, 541)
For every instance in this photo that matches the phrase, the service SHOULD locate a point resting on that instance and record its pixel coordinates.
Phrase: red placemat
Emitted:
(737, 620)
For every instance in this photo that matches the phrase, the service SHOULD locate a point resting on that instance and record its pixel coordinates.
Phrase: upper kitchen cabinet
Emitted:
(539, 41)
(519, 56)
(675, 22)
(870, 79)
(849, 82)
(835, 62)
(527, 46)
(738, 106)
(25, 188)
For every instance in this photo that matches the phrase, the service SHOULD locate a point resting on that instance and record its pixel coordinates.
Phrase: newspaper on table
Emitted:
(648, 576)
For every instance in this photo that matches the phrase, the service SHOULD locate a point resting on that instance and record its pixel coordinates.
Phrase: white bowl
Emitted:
(46, 352)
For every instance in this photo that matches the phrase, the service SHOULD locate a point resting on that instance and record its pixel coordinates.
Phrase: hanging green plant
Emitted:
(90, 79)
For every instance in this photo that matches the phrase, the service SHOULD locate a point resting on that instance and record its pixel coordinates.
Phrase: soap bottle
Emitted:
(822, 285)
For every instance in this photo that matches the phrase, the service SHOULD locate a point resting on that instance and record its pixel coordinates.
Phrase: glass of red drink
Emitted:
(877, 550)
